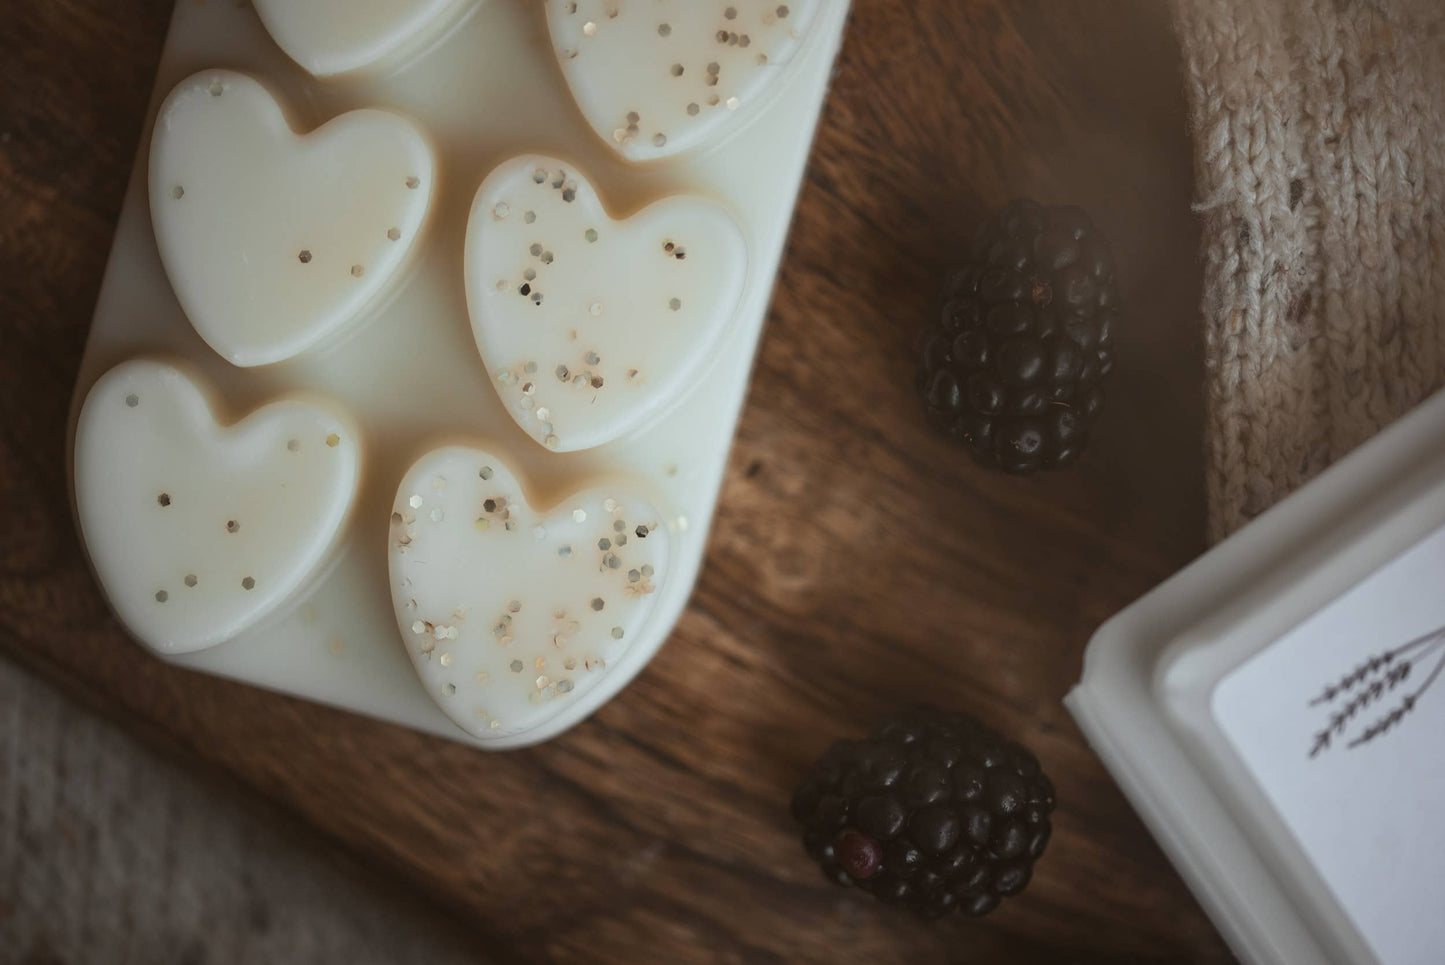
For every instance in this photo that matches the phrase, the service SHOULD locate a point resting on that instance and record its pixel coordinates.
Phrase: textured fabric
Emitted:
(111, 855)
(1319, 130)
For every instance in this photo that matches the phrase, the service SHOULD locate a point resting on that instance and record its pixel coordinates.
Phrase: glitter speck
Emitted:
(515, 666)
(597, 603)
(415, 501)
(539, 533)
(482, 676)
(595, 308)
(500, 210)
(446, 659)
(418, 627)
(436, 515)
(333, 440)
(579, 516)
(617, 633)
(448, 689)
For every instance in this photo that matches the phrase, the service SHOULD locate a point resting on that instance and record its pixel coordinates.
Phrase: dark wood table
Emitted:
(658, 831)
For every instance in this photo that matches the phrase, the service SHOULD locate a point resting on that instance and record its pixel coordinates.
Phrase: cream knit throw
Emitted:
(1319, 130)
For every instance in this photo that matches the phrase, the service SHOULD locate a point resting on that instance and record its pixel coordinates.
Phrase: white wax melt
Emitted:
(274, 241)
(198, 530)
(513, 614)
(590, 326)
(660, 77)
(330, 37)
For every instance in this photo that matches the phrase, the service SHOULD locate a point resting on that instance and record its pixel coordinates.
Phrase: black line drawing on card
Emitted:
(1378, 685)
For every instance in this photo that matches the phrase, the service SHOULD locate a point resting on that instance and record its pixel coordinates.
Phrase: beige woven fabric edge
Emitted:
(1319, 132)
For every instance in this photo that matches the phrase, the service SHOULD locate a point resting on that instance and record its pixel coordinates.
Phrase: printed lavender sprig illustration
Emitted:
(1374, 684)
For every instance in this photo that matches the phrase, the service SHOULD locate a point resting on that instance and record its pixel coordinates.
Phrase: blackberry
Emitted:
(935, 812)
(1013, 366)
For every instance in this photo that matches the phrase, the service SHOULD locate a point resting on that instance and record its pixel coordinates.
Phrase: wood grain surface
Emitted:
(858, 562)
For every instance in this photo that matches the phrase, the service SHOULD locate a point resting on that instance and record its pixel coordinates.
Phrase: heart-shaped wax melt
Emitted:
(658, 77)
(588, 326)
(330, 37)
(274, 240)
(198, 530)
(513, 615)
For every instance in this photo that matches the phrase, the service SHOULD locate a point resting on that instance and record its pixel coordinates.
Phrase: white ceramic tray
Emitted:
(483, 83)
(1291, 769)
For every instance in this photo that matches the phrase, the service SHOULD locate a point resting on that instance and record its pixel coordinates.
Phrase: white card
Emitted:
(1340, 722)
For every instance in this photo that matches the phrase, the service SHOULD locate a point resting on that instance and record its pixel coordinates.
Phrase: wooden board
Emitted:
(658, 831)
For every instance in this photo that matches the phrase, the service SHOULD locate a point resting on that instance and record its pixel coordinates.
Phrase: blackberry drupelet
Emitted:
(935, 812)
(1013, 365)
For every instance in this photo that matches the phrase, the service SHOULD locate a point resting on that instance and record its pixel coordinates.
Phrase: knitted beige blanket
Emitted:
(1319, 131)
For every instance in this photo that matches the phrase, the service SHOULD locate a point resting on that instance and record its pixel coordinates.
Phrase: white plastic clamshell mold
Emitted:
(1274, 713)
(322, 245)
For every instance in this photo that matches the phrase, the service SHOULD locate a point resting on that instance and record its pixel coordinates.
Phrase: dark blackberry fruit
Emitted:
(1014, 364)
(935, 812)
